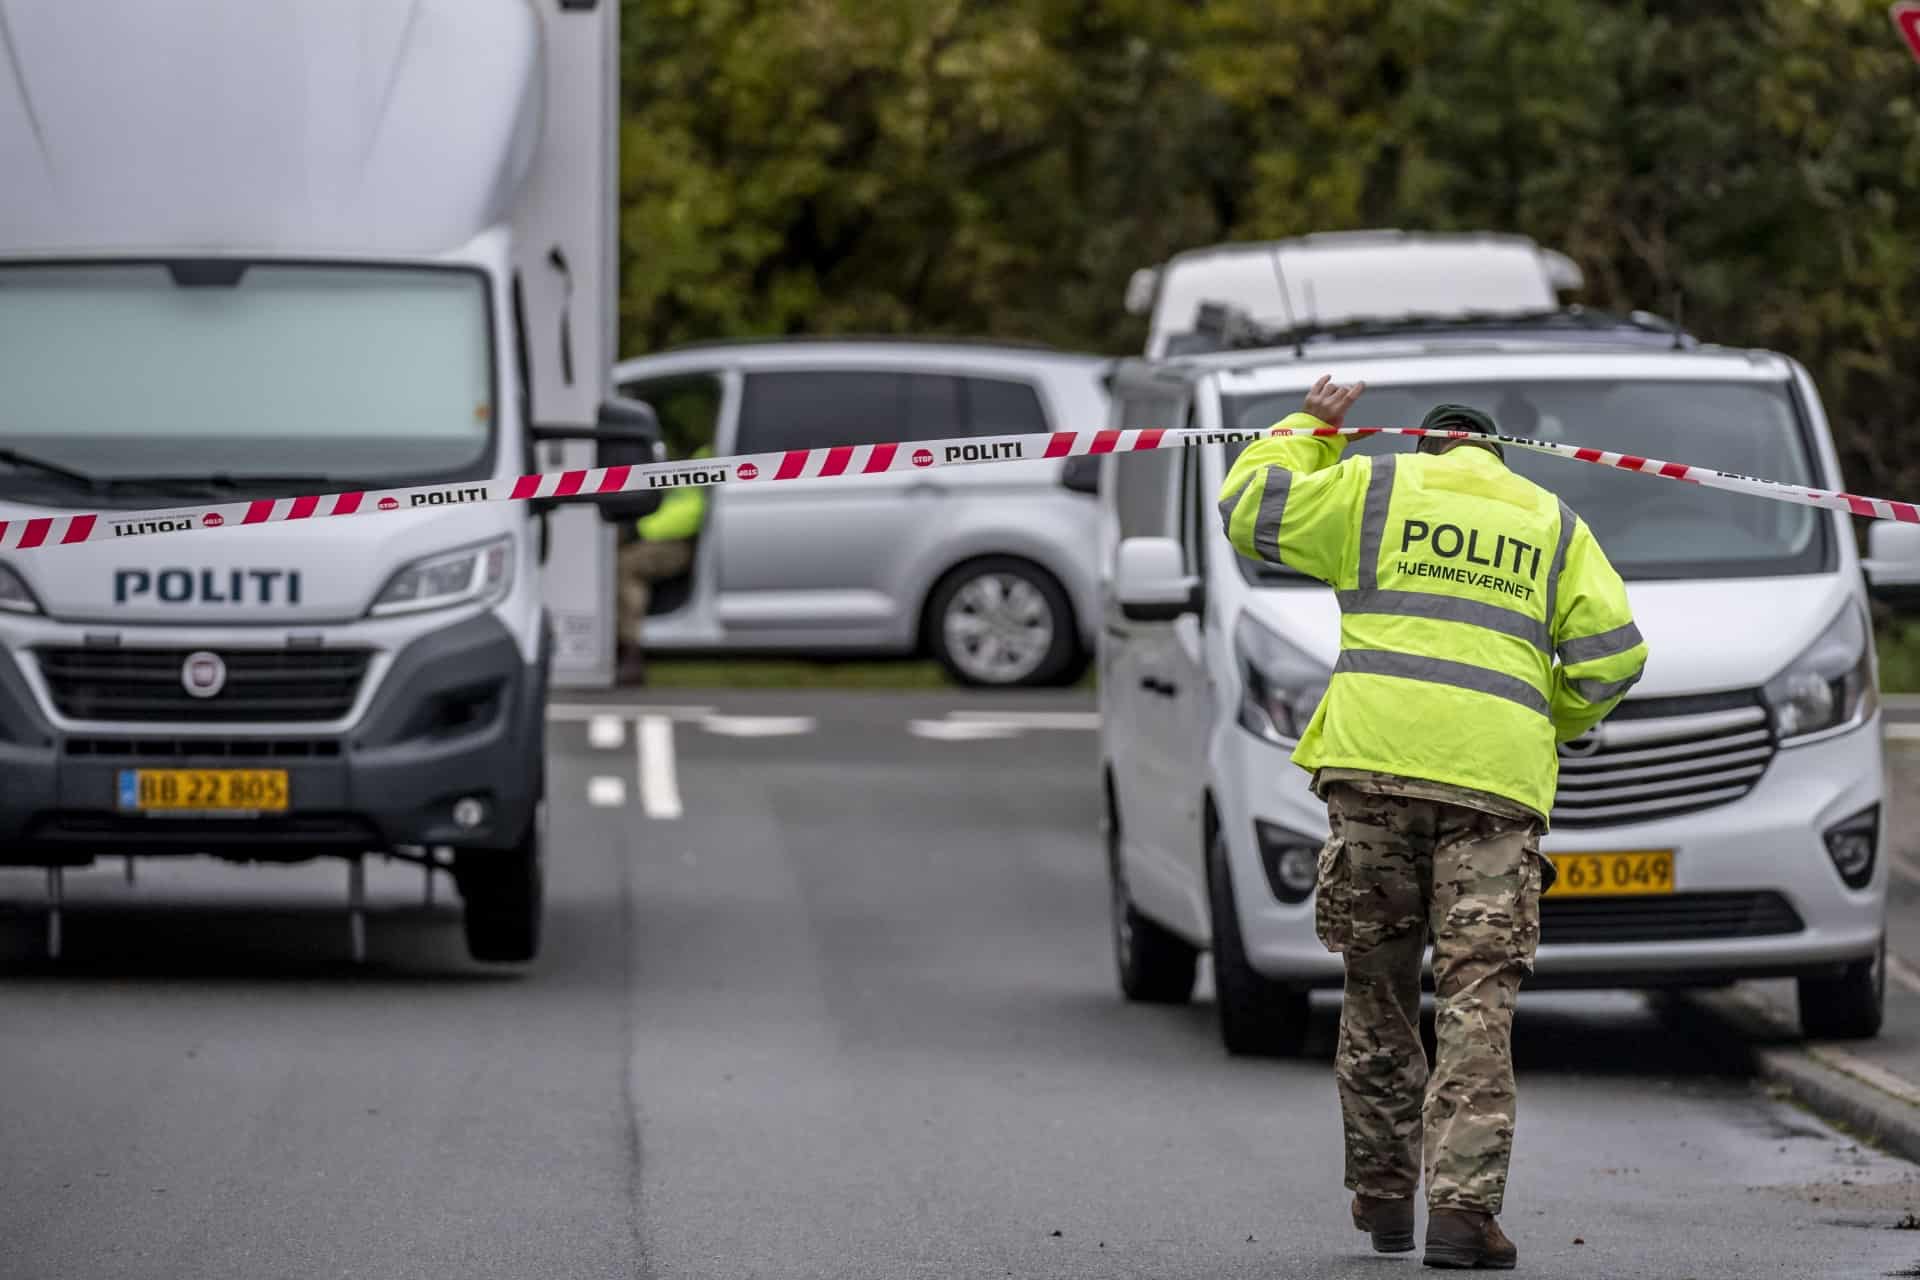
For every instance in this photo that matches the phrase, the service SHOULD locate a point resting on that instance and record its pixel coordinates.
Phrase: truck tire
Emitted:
(1849, 1007)
(1154, 965)
(1259, 1018)
(505, 893)
(1003, 622)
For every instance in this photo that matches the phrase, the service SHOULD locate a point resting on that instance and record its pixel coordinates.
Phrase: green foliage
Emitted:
(1001, 166)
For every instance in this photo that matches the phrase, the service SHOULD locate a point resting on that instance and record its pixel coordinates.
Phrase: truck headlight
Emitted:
(1280, 685)
(456, 577)
(15, 595)
(1829, 686)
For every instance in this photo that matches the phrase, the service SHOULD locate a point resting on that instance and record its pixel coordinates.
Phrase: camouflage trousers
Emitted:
(1395, 872)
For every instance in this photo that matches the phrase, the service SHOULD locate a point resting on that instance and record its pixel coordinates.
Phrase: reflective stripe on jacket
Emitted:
(1480, 621)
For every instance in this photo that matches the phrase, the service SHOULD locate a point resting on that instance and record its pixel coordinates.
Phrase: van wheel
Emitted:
(1849, 1007)
(1155, 966)
(1259, 1018)
(505, 892)
(1001, 621)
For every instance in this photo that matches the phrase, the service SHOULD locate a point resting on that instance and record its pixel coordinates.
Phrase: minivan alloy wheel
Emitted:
(998, 628)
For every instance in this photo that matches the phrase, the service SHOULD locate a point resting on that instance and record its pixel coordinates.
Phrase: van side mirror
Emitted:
(1151, 581)
(626, 433)
(1893, 564)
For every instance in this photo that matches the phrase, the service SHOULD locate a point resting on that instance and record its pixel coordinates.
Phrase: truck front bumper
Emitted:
(457, 714)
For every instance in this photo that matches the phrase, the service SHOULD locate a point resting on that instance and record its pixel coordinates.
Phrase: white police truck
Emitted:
(288, 248)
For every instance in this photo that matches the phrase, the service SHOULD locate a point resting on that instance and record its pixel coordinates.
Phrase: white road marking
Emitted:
(588, 710)
(1900, 731)
(606, 792)
(758, 726)
(1903, 973)
(960, 730)
(659, 786)
(606, 732)
(1859, 1068)
(1078, 721)
(1905, 865)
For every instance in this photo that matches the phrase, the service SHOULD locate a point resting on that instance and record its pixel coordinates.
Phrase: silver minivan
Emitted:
(990, 569)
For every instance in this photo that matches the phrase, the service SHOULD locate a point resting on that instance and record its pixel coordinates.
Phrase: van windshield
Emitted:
(147, 378)
(1650, 528)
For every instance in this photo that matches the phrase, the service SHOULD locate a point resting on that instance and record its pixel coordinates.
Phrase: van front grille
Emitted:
(1663, 757)
(277, 685)
(1675, 917)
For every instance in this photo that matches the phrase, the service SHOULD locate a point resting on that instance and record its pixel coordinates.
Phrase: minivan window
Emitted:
(809, 408)
(688, 407)
(1142, 485)
(996, 407)
(1651, 528)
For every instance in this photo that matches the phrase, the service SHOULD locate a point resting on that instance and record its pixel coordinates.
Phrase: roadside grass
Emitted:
(1899, 644)
(795, 673)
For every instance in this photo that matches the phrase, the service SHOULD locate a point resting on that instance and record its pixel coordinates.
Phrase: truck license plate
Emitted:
(1594, 875)
(230, 791)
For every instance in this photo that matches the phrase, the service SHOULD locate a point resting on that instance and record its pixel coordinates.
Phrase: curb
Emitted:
(1882, 1119)
(1868, 1100)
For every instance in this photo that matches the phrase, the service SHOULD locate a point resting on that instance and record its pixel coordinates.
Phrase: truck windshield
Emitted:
(1650, 528)
(143, 376)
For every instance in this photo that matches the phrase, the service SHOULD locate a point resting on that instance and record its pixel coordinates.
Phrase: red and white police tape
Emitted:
(843, 461)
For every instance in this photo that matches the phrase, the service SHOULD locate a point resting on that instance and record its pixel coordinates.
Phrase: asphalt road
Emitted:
(826, 993)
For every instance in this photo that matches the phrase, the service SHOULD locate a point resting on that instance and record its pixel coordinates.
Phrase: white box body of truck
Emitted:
(287, 248)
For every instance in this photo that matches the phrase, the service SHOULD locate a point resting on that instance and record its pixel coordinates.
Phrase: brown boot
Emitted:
(1464, 1240)
(1389, 1222)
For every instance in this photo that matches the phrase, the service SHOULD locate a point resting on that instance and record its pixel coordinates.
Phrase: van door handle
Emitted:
(1165, 688)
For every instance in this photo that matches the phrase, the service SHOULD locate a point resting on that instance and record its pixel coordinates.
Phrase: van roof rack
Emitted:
(884, 339)
(1222, 327)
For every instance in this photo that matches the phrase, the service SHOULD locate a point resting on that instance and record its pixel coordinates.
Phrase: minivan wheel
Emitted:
(1006, 622)
(1849, 1007)
(1154, 965)
(1259, 1018)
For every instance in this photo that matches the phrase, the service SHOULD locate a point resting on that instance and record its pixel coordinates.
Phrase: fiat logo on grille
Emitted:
(203, 674)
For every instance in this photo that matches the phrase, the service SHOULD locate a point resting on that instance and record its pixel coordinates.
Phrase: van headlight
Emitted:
(15, 595)
(481, 573)
(1829, 686)
(1280, 685)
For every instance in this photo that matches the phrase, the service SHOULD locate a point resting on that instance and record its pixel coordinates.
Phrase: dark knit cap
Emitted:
(1459, 417)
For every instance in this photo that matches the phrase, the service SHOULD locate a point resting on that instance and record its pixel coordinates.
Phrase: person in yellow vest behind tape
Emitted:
(1481, 624)
(663, 550)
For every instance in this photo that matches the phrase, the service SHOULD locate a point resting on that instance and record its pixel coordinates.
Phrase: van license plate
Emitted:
(238, 792)
(1594, 875)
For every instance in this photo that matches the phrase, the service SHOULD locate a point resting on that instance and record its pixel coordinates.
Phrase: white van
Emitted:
(1725, 822)
(1336, 277)
(270, 251)
(988, 569)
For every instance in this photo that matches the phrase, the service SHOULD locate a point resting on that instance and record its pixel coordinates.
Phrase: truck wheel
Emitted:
(1259, 1018)
(505, 897)
(1849, 1007)
(1002, 621)
(1154, 965)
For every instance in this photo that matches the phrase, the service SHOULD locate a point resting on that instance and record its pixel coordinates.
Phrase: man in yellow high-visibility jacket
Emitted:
(1480, 625)
(663, 550)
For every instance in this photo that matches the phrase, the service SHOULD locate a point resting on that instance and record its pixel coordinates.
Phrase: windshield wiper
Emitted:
(27, 462)
(222, 482)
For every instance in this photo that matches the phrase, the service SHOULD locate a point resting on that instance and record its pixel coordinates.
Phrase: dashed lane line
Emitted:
(606, 732)
(1072, 721)
(961, 730)
(659, 782)
(574, 711)
(758, 726)
(607, 791)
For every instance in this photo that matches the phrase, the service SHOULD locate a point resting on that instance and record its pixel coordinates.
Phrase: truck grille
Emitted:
(1676, 917)
(279, 685)
(1660, 757)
